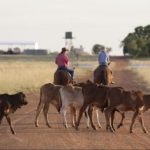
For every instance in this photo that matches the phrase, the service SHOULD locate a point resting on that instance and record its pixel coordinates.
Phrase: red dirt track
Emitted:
(57, 137)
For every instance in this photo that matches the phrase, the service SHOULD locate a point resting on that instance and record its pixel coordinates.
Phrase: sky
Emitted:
(105, 22)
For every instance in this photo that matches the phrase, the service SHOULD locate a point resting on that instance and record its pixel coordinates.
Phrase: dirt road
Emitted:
(57, 137)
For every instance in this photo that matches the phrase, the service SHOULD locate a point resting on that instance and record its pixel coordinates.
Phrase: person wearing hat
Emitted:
(103, 57)
(103, 60)
(62, 61)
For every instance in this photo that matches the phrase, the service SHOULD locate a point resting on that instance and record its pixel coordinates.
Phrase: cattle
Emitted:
(146, 107)
(71, 96)
(49, 94)
(94, 95)
(122, 100)
(9, 104)
(146, 102)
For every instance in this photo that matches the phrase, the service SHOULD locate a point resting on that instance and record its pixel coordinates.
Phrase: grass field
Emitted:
(141, 68)
(28, 73)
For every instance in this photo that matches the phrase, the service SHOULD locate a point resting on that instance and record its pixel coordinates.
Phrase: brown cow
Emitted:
(146, 102)
(94, 94)
(49, 94)
(9, 104)
(124, 101)
(146, 107)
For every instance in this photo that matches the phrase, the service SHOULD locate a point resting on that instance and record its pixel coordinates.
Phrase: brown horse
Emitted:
(62, 77)
(103, 75)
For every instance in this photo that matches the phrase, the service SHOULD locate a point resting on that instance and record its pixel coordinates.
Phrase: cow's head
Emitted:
(139, 98)
(22, 99)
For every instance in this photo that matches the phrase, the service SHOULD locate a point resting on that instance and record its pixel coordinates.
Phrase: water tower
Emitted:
(68, 40)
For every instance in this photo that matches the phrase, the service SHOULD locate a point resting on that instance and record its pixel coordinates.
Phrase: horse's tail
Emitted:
(103, 77)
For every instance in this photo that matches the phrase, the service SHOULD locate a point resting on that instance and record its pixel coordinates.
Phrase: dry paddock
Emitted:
(57, 137)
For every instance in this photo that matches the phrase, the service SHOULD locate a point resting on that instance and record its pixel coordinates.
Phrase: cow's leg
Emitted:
(108, 112)
(87, 118)
(1, 117)
(97, 116)
(133, 120)
(63, 111)
(112, 119)
(45, 111)
(9, 122)
(65, 119)
(122, 119)
(83, 108)
(73, 116)
(142, 123)
(90, 110)
(39, 108)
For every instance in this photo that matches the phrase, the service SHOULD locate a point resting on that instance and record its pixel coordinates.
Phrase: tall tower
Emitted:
(68, 40)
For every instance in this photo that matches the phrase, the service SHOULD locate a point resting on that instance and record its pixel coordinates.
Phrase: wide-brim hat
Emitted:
(64, 49)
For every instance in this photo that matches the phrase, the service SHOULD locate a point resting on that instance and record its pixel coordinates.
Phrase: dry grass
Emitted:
(17, 76)
(26, 74)
(142, 68)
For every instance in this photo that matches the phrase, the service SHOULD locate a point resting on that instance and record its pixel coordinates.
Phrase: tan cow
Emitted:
(124, 101)
(49, 94)
(71, 96)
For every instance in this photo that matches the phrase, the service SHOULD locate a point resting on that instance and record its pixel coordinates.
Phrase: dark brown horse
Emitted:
(103, 75)
(62, 77)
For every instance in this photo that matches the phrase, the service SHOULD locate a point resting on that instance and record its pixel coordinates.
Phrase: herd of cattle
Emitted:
(85, 97)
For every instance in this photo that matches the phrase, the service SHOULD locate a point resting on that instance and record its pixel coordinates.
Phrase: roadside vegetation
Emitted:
(28, 73)
(142, 68)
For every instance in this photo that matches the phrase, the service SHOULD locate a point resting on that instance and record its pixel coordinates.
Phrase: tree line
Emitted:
(137, 44)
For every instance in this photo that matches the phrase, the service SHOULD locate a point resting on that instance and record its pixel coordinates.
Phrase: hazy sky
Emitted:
(91, 21)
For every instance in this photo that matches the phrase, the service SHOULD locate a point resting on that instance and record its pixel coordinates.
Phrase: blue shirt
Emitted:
(103, 58)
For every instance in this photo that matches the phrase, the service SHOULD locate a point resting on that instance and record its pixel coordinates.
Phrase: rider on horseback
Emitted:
(103, 60)
(62, 62)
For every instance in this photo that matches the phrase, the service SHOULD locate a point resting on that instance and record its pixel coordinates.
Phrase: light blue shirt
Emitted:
(103, 58)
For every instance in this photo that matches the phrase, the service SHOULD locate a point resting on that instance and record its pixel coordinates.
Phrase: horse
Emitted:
(103, 75)
(62, 77)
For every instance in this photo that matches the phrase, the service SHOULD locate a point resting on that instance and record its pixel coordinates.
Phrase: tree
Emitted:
(137, 43)
(96, 48)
